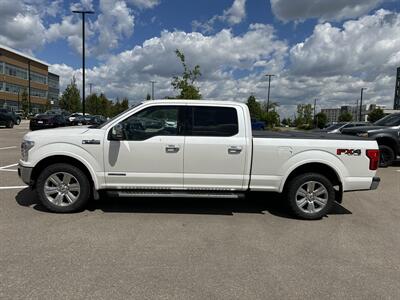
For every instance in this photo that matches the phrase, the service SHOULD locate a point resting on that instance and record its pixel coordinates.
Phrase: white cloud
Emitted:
(298, 10)
(21, 27)
(233, 15)
(366, 47)
(144, 4)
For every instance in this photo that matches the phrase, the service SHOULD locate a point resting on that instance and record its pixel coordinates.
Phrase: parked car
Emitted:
(257, 125)
(386, 132)
(338, 127)
(71, 117)
(79, 120)
(210, 153)
(96, 120)
(7, 118)
(44, 121)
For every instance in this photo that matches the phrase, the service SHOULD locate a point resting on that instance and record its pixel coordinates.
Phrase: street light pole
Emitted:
(269, 88)
(361, 102)
(83, 13)
(152, 89)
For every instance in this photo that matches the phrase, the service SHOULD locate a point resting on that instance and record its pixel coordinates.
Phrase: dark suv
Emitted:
(386, 132)
(9, 118)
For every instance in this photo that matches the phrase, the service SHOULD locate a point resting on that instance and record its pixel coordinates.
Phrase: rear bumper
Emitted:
(25, 174)
(375, 183)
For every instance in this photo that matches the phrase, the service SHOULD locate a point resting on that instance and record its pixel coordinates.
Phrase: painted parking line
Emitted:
(5, 168)
(15, 187)
(5, 148)
(9, 166)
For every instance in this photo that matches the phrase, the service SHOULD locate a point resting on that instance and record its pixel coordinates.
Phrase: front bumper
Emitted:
(25, 174)
(375, 183)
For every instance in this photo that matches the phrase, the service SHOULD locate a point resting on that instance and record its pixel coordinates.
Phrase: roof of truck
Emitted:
(188, 101)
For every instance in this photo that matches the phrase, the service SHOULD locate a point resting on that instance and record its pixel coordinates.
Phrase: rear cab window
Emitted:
(212, 121)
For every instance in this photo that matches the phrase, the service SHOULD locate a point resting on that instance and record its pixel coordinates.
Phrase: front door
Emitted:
(150, 155)
(215, 148)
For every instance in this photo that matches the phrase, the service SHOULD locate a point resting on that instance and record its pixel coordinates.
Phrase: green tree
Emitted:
(105, 107)
(148, 97)
(71, 99)
(304, 118)
(124, 104)
(186, 83)
(321, 120)
(254, 108)
(91, 104)
(24, 102)
(375, 115)
(345, 117)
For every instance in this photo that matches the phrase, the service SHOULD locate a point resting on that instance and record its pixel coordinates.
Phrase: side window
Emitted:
(150, 122)
(213, 121)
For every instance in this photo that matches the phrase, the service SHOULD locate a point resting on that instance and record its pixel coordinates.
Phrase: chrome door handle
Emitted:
(234, 150)
(171, 149)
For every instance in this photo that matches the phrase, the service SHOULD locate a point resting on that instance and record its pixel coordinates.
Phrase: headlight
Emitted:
(25, 147)
(363, 134)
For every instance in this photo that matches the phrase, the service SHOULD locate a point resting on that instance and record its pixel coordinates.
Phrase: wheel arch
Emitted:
(319, 168)
(388, 141)
(63, 159)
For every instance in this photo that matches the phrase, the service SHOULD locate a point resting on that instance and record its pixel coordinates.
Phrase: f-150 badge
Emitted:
(91, 142)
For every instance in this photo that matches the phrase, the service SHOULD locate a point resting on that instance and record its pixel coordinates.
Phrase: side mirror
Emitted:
(117, 133)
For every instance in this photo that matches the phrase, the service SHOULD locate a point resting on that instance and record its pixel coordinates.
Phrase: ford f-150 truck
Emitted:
(186, 148)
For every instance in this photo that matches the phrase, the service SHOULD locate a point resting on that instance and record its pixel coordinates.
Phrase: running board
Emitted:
(174, 194)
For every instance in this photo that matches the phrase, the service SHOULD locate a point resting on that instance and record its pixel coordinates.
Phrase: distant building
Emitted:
(396, 105)
(334, 113)
(20, 72)
(54, 89)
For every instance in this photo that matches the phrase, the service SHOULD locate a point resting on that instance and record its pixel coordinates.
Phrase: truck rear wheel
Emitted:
(387, 156)
(63, 188)
(310, 196)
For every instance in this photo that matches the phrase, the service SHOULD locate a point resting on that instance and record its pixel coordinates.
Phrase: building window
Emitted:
(39, 78)
(1, 86)
(16, 72)
(1, 68)
(53, 83)
(38, 93)
(13, 88)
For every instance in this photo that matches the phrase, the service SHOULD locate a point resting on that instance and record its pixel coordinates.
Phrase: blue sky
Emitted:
(317, 48)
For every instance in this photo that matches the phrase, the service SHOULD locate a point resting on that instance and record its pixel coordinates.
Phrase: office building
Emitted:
(22, 74)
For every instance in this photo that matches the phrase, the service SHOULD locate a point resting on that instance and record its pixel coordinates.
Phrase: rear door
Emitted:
(215, 147)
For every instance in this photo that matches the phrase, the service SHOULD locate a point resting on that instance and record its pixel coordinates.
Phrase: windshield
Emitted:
(390, 120)
(120, 114)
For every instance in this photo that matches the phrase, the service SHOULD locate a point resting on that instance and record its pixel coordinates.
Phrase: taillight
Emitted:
(373, 156)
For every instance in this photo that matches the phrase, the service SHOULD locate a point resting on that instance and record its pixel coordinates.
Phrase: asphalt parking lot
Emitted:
(184, 249)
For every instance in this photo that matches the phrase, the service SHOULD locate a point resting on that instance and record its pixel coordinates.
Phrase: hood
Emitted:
(60, 132)
(362, 129)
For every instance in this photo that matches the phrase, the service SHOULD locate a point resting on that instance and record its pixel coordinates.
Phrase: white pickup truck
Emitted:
(199, 149)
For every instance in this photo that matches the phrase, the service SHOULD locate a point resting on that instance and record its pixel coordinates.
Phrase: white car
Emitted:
(211, 153)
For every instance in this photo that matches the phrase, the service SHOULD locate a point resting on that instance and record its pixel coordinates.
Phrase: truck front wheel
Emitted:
(310, 196)
(63, 188)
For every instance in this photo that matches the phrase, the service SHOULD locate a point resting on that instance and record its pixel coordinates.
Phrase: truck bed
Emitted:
(295, 134)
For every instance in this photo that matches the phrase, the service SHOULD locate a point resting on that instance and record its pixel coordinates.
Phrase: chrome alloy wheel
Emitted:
(311, 197)
(62, 189)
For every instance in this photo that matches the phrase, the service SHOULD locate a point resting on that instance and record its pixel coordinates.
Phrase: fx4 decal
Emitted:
(350, 152)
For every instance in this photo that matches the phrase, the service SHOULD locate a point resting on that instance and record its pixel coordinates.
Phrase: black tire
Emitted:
(10, 124)
(82, 198)
(387, 156)
(296, 183)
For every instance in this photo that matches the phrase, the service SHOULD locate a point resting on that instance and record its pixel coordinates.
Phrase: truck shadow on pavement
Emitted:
(254, 204)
